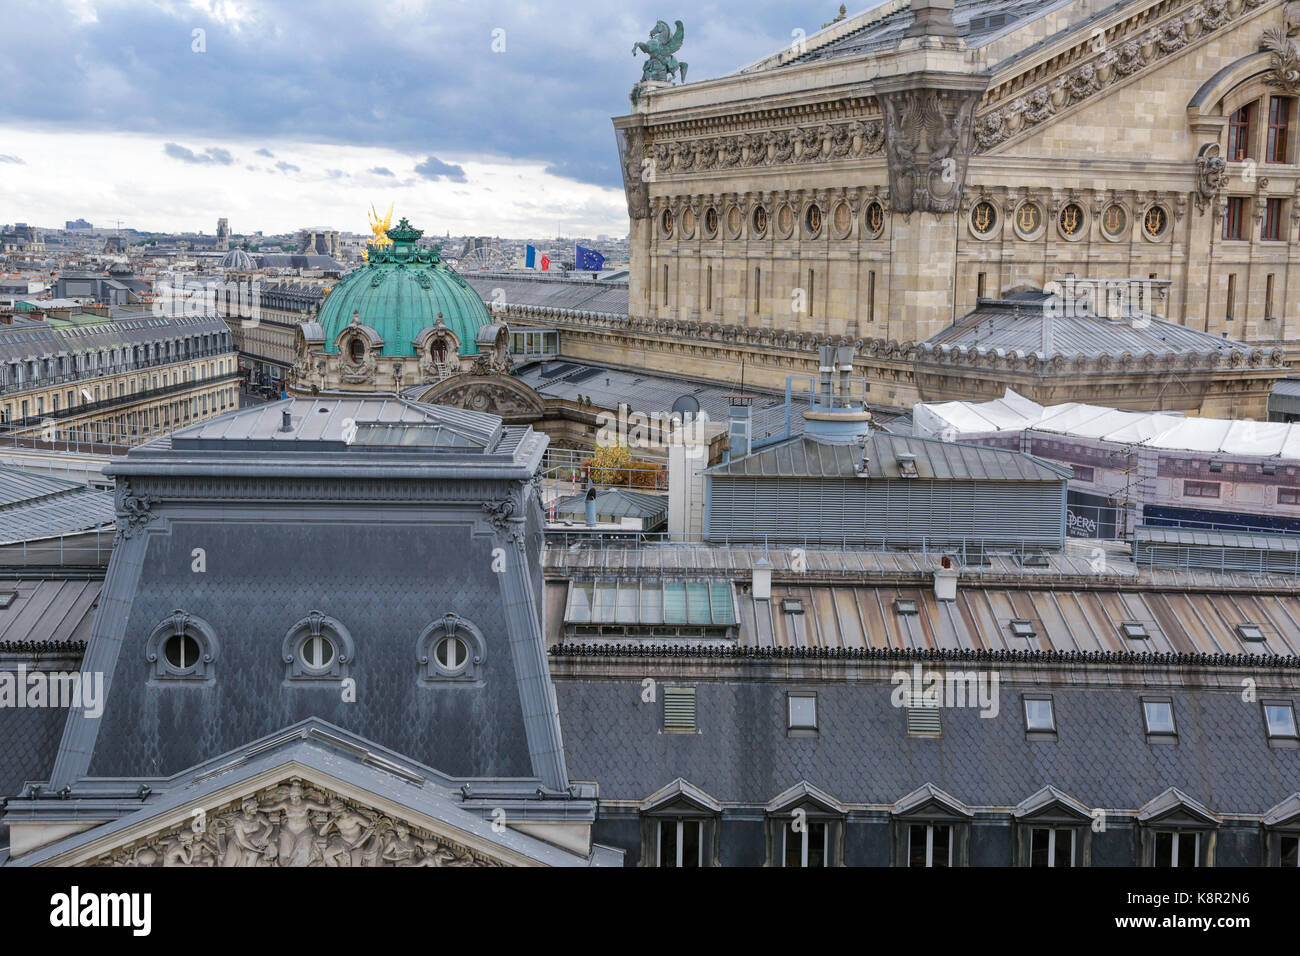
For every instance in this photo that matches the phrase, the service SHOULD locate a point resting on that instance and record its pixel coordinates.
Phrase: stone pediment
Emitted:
(294, 823)
(311, 795)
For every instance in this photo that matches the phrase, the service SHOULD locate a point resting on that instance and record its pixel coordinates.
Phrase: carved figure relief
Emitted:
(294, 824)
(927, 142)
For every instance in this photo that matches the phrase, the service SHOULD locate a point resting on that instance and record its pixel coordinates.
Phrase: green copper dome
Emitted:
(401, 291)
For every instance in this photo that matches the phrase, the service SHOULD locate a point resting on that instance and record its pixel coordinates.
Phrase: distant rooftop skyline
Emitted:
(271, 114)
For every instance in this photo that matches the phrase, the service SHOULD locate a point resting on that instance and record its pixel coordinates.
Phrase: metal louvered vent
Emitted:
(922, 715)
(679, 708)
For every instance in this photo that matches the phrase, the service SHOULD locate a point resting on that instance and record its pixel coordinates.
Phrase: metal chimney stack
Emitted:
(845, 362)
(826, 369)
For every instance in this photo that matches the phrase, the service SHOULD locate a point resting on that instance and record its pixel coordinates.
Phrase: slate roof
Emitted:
(742, 753)
(805, 457)
(29, 740)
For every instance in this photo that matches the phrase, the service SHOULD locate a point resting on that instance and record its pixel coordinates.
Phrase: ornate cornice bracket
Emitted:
(929, 121)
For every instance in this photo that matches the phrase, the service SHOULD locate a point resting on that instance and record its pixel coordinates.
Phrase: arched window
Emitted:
(356, 350)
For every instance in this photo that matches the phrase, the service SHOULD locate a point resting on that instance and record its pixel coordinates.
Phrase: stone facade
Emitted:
(876, 196)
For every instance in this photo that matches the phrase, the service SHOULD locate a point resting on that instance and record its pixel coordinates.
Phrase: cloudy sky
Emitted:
(281, 114)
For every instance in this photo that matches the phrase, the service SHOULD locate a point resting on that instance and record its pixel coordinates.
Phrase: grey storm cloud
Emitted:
(212, 156)
(547, 99)
(287, 167)
(435, 168)
(381, 171)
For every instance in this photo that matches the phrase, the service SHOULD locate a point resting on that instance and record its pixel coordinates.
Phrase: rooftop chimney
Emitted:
(945, 581)
(933, 18)
(286, 421)
(762, 580)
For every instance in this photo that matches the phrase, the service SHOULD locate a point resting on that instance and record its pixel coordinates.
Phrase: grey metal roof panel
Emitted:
(654, 394)
(55, 610)
(975, 20)
(17, 485)
(589, 295)
(1018, 325)
(1219, 539)
(616, 501)
(378, 421)
(806, 457)
(56, 515)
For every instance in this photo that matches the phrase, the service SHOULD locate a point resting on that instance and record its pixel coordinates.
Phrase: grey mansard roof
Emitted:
(42, 340)
(863, 755)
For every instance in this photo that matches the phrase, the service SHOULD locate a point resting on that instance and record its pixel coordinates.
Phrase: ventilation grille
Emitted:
(679, 708)
(922, 714)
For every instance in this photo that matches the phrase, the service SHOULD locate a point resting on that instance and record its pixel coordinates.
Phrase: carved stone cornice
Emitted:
(1091, 65)
(632, 156)
(134, 512)
(771, 147)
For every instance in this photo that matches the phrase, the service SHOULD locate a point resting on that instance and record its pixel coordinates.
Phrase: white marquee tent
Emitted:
(1014, 413)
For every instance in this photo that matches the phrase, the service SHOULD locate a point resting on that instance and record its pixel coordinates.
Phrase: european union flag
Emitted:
(589, 261)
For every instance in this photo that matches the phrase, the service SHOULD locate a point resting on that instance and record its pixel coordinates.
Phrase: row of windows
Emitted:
(1286, 495)
(1272, 224)
(317, 648)
(199, 405)
(805, 842)
(923, 713)
(106, 360)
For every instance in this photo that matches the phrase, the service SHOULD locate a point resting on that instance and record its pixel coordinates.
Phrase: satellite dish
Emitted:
(686, 408)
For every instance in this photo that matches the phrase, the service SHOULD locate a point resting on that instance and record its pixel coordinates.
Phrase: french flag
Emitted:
(530, 259)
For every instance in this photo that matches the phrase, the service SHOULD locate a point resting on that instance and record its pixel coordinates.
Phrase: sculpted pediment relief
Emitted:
(293, 823)
(495, 394)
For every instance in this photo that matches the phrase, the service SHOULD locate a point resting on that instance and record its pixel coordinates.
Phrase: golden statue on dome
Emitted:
(379, 226)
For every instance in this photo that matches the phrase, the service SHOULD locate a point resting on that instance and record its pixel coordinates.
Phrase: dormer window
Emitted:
(317, 648)
(451, 649)
(356, 350)
(182, 648)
